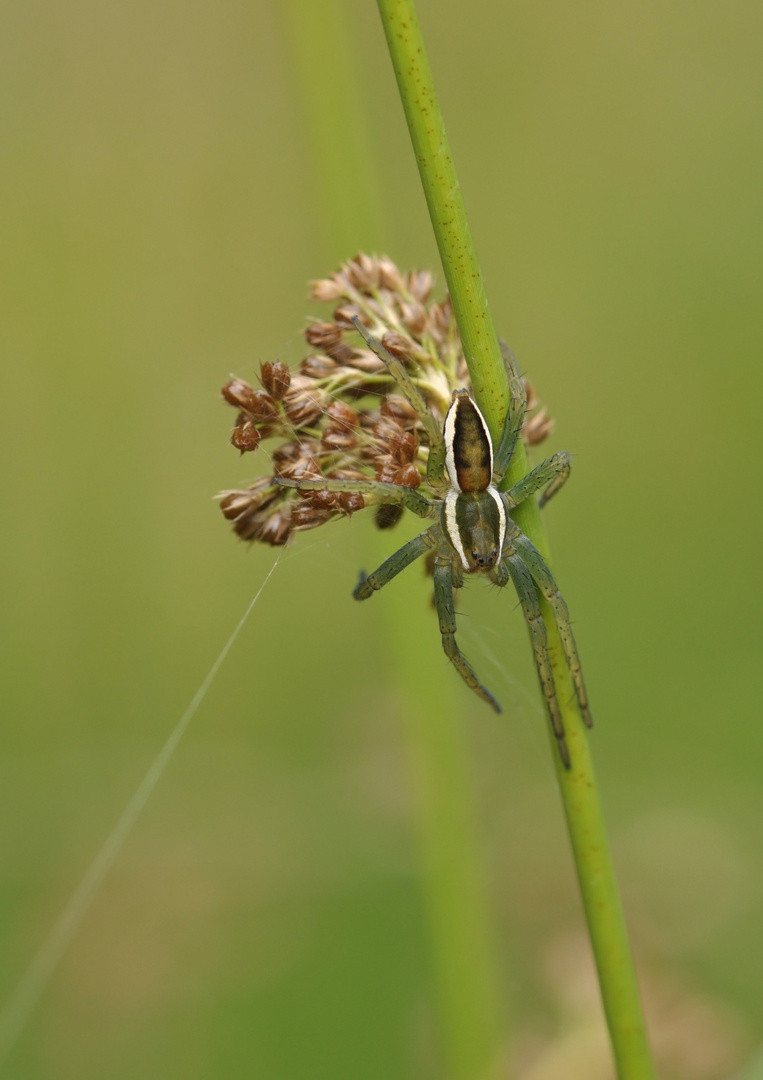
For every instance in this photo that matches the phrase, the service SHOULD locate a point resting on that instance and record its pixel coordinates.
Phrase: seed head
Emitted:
(275, 378)
(341, 415)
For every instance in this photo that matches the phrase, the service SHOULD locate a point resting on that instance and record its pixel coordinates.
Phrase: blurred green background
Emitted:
(161, 214)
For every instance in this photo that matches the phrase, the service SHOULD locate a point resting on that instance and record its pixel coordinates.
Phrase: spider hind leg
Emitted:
(528, 599)
(544, 579)
(443, 598)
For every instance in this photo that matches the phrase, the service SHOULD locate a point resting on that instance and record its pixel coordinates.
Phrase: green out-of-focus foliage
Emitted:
(160, 216)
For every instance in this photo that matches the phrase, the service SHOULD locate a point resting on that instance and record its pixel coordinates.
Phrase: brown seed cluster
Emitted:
(341, 416)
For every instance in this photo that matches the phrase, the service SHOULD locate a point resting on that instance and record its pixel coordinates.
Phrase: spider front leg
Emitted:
(388, 494)
(544, 579)
(515, 413)
(528, 598)
(443, 598)
(396, 563)
(436, 460)
(553, 472)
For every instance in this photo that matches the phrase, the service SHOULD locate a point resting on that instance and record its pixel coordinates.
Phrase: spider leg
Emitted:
(386, 494)
(544, 579)
(554, 471)
(443, 598)
(396, 368)
(515, 413)
(392, 566)
(528, 598)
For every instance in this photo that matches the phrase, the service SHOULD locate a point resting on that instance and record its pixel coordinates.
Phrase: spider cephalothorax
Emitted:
(472, 530)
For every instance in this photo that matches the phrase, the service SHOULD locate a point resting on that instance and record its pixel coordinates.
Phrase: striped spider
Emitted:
(473, 532)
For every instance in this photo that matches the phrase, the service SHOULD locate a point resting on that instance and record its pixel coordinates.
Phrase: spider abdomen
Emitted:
(468, 448)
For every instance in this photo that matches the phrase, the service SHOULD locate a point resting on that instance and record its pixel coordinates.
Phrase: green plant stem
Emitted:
(446, 208)
(590, 847)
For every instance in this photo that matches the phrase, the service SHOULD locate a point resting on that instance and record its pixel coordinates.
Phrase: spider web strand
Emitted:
(28, 991)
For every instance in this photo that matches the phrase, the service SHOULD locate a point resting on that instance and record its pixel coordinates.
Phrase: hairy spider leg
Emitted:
(443, 598)
(554, 472)
(388, 494)
(544, 579)
(396, 563)
(515, 414)
(396, 368)
(528, 598)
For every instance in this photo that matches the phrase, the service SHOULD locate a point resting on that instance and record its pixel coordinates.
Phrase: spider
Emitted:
(473, 532)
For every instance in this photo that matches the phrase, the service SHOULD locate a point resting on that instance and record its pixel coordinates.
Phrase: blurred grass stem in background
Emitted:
(453, 874)
(348, 204)
(603, 909)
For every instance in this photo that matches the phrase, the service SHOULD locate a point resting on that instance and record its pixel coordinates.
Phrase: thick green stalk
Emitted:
(446, 208)
(578, 785)
(453, 872)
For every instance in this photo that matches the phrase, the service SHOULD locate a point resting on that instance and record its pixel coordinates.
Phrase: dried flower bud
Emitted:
(532, 397)
(326, 291)
(344, 314)
(408, 476)
(420, 284)
(388, 516)
(307, 517)
(317, 367)
(368, 362)
(239, 394)
(388, 430)
(399, 409)
(304, 468)
(245, 436)
(275, 378)
(341, 417)
(276, 529)
(401, 347)
(390, 277)
(389, 436)
(363, 272)
(323, 335)
(249, 508)
(537, 428)
(320, 500)
(235, 504)
(328, 337)
(414, 317)
(258, 404)
(350, 502)
(386, 470)
(290, 452)
(339, 440)
(442, 317)
(407, 448)
(347, 474)
(302, 407)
